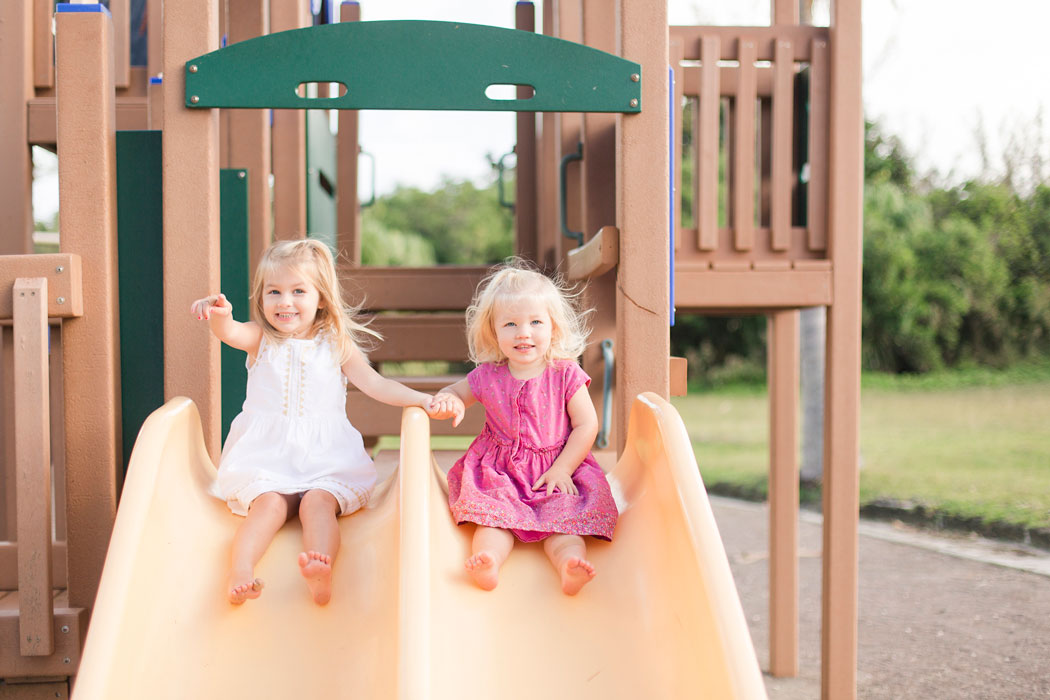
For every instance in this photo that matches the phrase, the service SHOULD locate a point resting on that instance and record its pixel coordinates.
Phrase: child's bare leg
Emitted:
(489, 550)
(267, 513)
(568, 554)
(318, 512)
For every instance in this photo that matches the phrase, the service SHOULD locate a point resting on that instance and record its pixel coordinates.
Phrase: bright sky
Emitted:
(935, 71)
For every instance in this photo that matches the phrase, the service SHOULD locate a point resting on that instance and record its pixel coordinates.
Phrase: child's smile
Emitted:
(290, 303)
(523, 332)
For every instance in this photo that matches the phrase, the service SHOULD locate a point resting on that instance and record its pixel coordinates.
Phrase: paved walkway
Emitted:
(940, 617)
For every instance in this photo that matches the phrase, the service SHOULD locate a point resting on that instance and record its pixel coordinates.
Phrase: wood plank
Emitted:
(45, 689)
(817, 189)
(120, 10)
(348, 147)
(70, 626)
(43, 44)
(742, 201)
(63, 272)
(132, 113)
(526, 181)
(16, 86)
(596, 257)
(373, 418)
(706, 126)
(9, 563)
(782, 181)
(710, 289)
(439, 288)
(289, 140)
(7, 434)
(674, 46)
(783, 380)
(33, 463)
(420, 337)
(728, 80)
(678, 370)
(763, 38)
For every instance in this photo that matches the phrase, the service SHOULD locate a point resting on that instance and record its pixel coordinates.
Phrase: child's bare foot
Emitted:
(484, 570)
(575, 574)
(240, 592)
(316, 568)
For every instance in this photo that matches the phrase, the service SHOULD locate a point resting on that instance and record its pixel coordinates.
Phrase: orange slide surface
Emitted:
(661, 620)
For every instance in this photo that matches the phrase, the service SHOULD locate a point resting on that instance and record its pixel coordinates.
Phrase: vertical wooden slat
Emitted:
(842, 388)
(155, 102)
(289, 140)
(547, 172)
(121, 11)
(7, 375)
(785, 11)
(642, 213)
(676, 49)
(33, 460)
(348, 145)
(58, 441)
(743, 157)
(87, 185)
(155, 37)
(570, 131)
(525, 182)
(817, 198)
(43, 44)
(190, 168)
(783, 380)
(16, 87)
(705, 134)
(248, 135)
(783, 99)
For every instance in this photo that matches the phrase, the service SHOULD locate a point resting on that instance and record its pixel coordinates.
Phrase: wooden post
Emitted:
(348, 145)
(568, 135)
(246, 132)
(87, 184)
(842, 393)
(643, 215)
(121, 11)
(289, 140)
(525, 180)
(33, 462)
(43, 44)
(191, 217)
(547, 170)
(598, 183)
(16, 182)
(783, 336)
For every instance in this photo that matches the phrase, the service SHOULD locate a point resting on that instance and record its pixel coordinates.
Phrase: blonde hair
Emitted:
(516, 279)
(314, 260)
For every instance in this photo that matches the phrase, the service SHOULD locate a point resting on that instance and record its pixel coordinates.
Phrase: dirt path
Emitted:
(932, 625)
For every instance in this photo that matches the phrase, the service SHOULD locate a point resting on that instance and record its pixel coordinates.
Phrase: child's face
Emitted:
(290, 302)
(523, 331)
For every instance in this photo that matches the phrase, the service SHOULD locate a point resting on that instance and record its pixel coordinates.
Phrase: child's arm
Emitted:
(364, 377)
(452, 402)
(218, 311)
(584, 421)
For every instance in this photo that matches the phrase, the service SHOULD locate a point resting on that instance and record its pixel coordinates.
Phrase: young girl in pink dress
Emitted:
(530, 474)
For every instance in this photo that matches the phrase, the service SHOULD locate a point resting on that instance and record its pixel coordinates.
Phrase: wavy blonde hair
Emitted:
(516, 279)
(312, 259)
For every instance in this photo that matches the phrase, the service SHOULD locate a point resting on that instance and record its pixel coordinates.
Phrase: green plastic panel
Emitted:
(413, 64)
(236, 280)
(140, 227)
(320, 179)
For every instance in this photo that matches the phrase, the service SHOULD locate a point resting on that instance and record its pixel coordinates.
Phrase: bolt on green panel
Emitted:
(413, 64)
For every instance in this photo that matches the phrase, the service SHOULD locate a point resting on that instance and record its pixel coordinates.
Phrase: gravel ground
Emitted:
(932, 625)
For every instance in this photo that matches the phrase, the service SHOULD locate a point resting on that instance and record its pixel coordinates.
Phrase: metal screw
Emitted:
(65, 629)
(59, 269)
(65, 660)
(194, 99)
(61, 300)
(193, 68)
(635, 77)
(634, 102)
(241, 174)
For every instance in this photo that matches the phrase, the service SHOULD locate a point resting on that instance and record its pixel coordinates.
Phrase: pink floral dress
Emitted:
(526, 425)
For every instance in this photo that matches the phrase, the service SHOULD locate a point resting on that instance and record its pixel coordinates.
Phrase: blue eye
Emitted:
(537, 322)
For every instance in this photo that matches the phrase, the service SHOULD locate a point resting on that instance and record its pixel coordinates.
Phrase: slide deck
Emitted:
(661, 620)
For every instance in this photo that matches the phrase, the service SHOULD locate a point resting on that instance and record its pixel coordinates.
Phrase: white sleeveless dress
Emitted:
(292, 434)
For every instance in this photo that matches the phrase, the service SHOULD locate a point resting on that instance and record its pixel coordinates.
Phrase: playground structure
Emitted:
(796, 88)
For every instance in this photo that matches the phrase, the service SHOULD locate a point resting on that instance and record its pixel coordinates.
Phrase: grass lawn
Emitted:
(972, 445)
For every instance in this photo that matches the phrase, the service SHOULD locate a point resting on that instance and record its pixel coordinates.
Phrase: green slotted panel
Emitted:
(320, 179)
(236, 280)
(413, 64)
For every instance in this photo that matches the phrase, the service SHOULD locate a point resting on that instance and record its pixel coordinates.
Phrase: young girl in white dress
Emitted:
(292, 450)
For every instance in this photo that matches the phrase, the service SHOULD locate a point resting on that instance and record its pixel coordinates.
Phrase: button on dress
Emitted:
(292, 434)
(526, 426)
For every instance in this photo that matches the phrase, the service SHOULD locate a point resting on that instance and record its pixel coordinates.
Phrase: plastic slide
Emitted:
(661, 620)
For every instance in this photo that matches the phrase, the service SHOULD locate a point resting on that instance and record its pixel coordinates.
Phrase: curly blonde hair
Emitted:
(313, 260)
(516, 279)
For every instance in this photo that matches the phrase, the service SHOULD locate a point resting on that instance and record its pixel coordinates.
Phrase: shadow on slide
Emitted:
(661, 620)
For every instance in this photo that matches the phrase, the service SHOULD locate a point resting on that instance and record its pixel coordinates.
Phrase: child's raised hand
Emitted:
(215, 304)
(556, 479)
(444, 405)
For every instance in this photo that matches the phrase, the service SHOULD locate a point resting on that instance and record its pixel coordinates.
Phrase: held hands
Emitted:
(216, 304)
(556, 479)
(445, 405)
